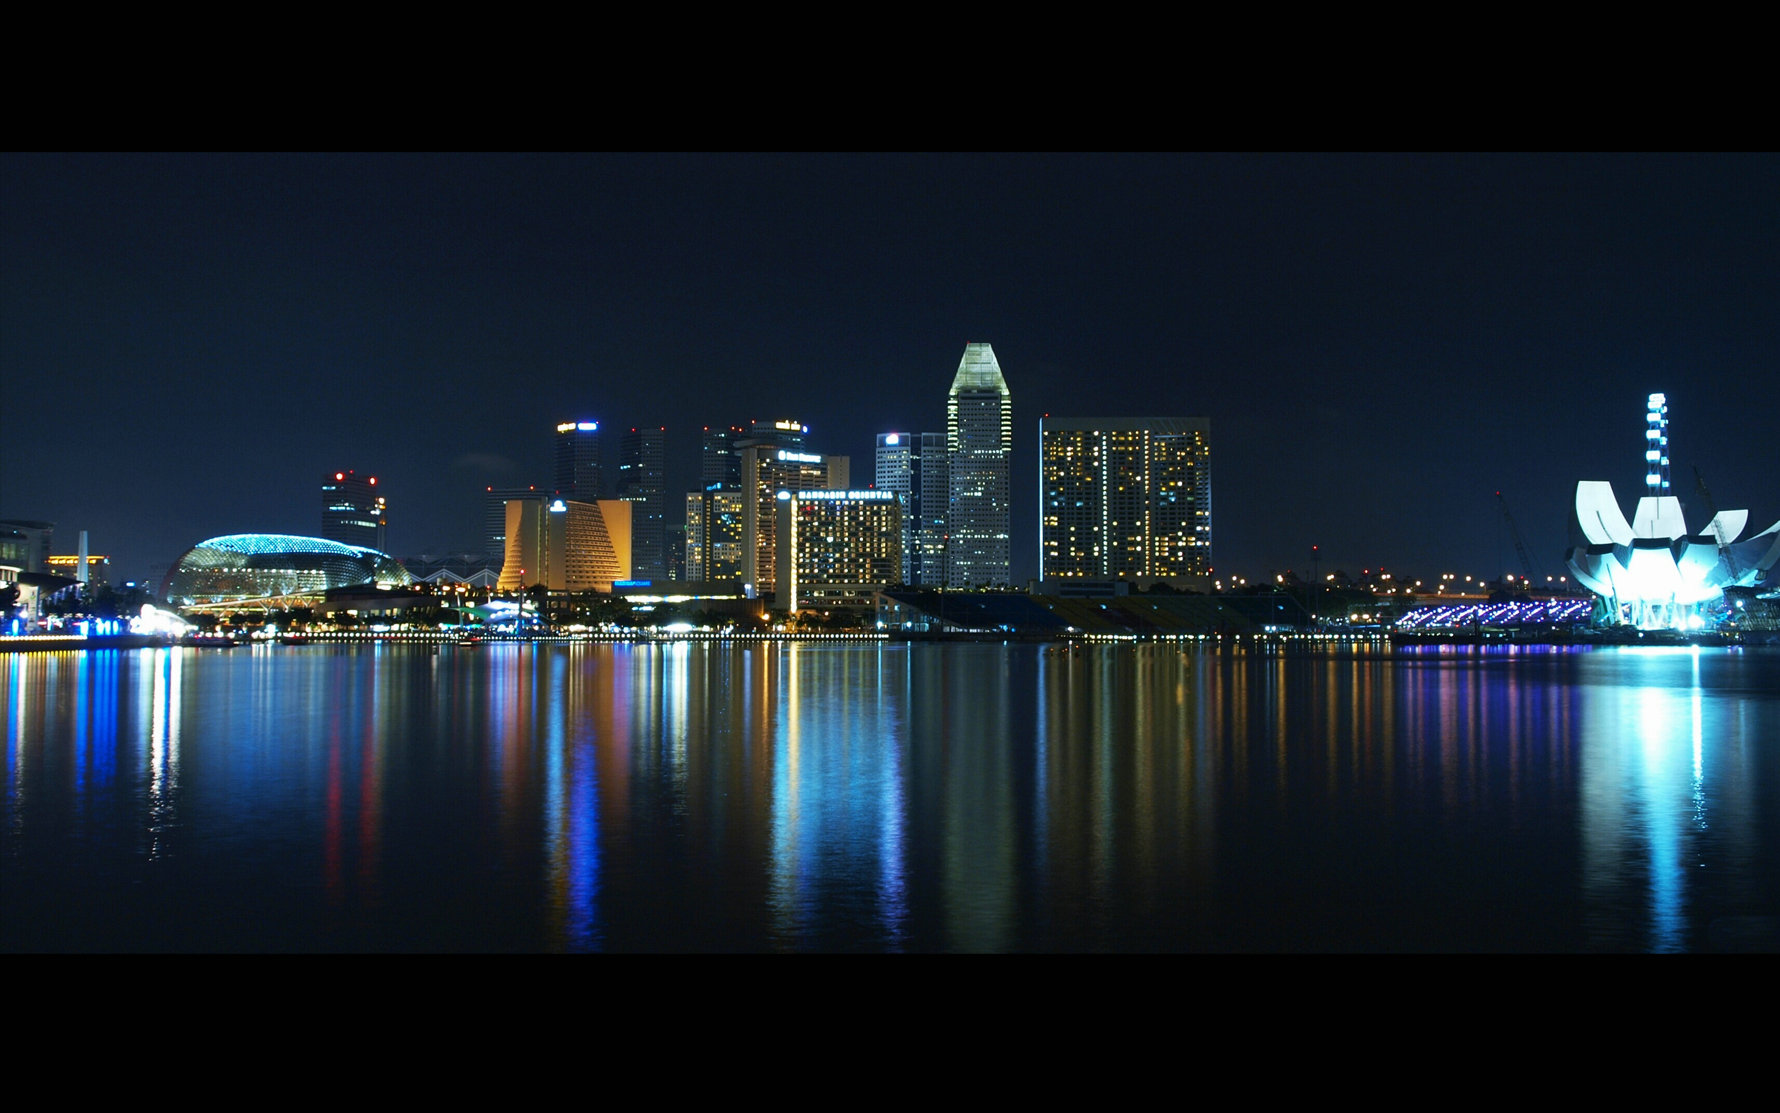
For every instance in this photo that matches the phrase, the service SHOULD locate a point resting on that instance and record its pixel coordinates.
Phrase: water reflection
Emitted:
(1673, 808)
(828, 797)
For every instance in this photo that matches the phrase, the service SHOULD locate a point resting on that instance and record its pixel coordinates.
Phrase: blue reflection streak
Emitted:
(1699, 780)
(163, 751)
(1041, 772)
(83, 704)
(892, 818)
(572, 806)
(783, 890)
(584, 846)
(1667, 882)
(556, 817)
(15, 718)
(105, 670)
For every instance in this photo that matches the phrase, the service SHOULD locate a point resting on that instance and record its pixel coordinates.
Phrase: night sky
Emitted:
(189, 343)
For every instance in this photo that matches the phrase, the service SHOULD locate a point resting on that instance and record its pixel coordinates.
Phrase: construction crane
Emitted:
(1526, 562)
(1717, 524)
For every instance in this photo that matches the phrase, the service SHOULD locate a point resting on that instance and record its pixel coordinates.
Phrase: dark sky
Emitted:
(188, 343)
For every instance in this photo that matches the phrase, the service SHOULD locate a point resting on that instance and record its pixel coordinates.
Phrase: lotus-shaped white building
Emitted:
(1652, 572)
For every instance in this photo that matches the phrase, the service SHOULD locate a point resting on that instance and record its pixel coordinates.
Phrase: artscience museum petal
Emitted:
(1652, 572)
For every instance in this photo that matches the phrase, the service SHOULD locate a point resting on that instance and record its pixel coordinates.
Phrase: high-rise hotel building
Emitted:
(352, 512)
(836, 548)
(979, 451)
(1125, 498)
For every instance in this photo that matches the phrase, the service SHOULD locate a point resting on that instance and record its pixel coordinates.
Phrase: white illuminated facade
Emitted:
(1651, 572)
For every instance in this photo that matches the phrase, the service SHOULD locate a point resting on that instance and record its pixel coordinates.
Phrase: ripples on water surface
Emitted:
(849, 797)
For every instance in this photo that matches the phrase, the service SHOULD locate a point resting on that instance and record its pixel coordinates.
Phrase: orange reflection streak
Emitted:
(1277, 677)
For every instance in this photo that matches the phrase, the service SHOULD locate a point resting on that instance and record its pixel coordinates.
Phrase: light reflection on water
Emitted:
(887, 798)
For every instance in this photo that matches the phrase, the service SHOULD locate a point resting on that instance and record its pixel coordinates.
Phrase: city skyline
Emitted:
(1383, 342)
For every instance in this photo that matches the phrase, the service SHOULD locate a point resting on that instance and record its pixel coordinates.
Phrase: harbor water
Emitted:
(885, 797)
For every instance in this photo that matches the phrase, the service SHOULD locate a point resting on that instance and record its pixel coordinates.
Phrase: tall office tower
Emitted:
(933, 479)
(566, 545)
(836, 548)
(642, 462)
(494, 517)
(766, 470)
(913, 465)
(1125, 498)
(718, 460)
(352, 512)
(979, 450)
(896, 474)
(578, 461)
(714, 534)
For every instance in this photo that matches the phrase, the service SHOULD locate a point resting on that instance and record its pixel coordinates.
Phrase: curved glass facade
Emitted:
(242, 567)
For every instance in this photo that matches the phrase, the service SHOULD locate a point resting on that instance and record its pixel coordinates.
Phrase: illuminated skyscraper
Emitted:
(642, 461)
(979, 450)
(913, 465)
(1125, 498)
(578, 461)
(352, 512)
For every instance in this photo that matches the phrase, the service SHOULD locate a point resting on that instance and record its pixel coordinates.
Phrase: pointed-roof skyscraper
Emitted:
(979, 451)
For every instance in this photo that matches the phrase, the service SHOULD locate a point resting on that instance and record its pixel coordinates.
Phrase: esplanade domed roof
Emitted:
(248, 566)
